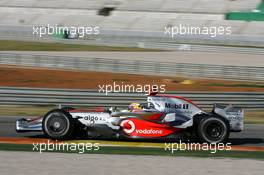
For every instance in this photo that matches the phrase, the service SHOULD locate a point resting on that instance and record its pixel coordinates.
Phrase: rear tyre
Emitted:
(213, 130)
(58, 125)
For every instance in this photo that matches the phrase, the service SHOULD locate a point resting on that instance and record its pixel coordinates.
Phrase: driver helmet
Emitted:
(134, 106)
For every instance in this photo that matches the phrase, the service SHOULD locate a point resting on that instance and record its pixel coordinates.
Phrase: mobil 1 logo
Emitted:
(176, 106)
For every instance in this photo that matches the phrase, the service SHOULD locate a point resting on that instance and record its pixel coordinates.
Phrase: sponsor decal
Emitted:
(176, 106)
(236, 115)
(149, 131)
(92, 118)
(129, 127)
(231, 118)
(150, 99)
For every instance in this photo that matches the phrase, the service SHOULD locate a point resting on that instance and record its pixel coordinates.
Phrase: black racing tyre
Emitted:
(58, 125)
(213, 130)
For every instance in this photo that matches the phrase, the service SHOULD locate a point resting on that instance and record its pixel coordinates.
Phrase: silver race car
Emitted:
(162, 117)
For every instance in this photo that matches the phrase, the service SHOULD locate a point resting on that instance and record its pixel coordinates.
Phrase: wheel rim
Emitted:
(214, 131)
(57, 124)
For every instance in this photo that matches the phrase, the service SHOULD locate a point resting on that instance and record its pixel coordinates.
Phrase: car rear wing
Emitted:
(234, 115)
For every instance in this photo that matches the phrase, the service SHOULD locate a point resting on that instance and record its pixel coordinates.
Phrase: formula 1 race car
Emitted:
(163, 117)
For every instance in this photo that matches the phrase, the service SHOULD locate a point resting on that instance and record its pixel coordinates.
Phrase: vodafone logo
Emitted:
(148, 131)
(128, 126)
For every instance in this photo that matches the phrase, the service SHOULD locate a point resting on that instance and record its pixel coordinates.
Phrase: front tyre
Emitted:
(58, 125)
(213, 130)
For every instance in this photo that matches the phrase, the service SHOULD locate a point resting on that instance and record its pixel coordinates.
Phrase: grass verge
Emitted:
(147, 151)
(7, 45)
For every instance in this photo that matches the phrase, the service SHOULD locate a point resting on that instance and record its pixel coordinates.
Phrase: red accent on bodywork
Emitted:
(127, 126)
(35, 119)
(149, 129)
(154, 116)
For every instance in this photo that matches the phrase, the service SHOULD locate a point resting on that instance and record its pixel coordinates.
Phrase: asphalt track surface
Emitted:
(58, 163)
(253, 134)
